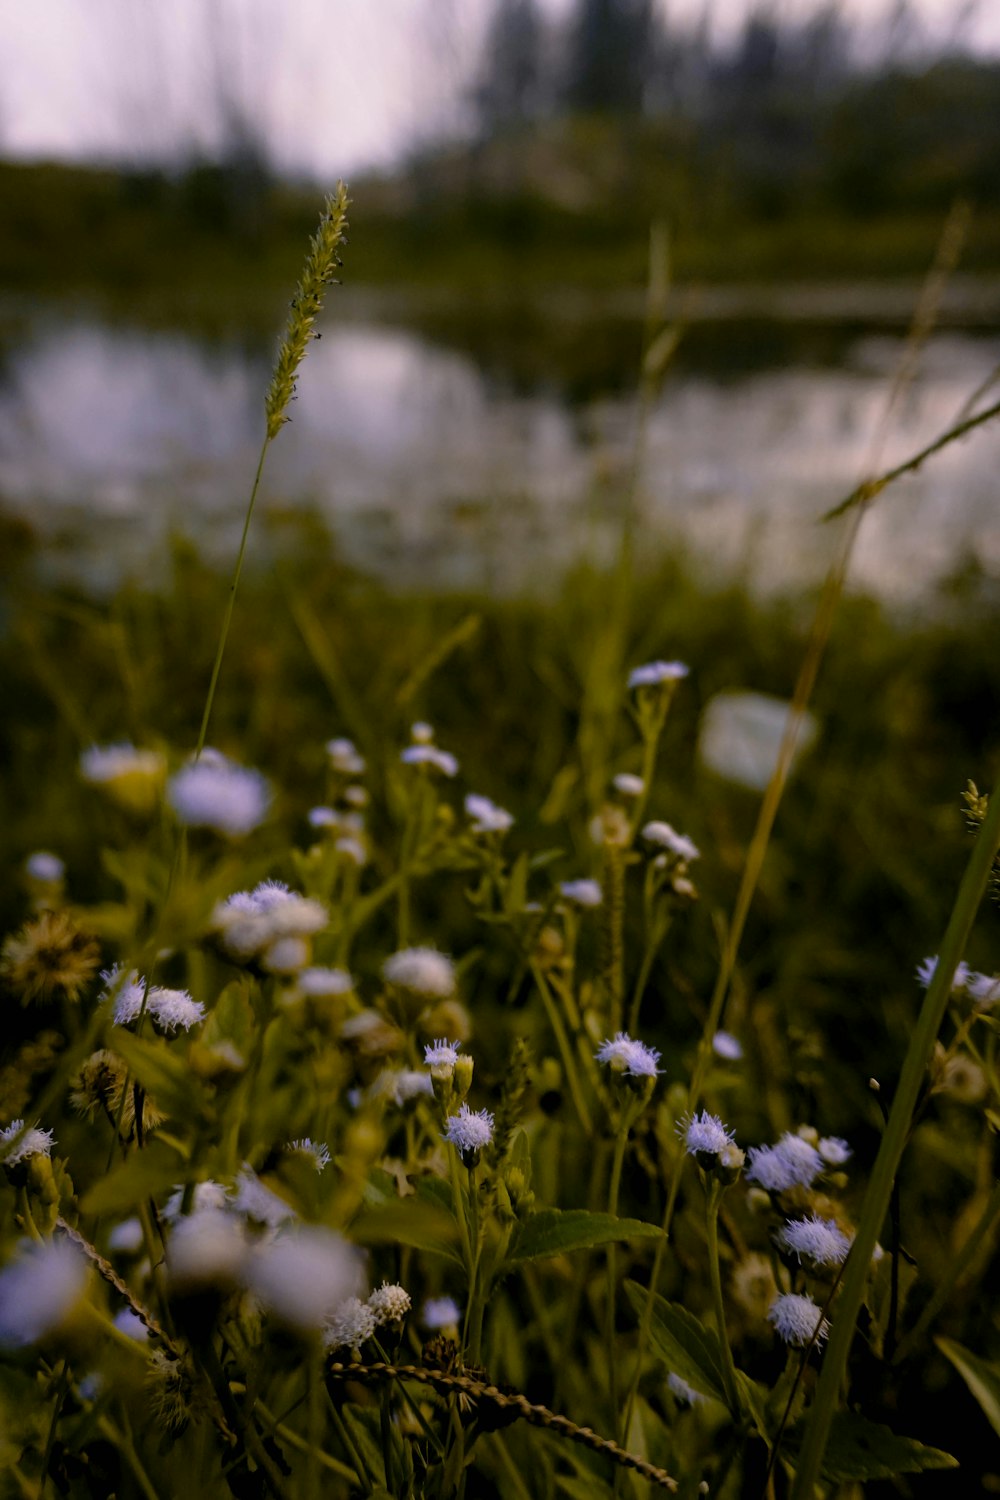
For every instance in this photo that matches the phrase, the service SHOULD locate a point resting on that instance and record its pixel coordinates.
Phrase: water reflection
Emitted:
(429, 471)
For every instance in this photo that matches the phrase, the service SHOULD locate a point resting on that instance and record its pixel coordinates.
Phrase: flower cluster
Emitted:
(270, 924)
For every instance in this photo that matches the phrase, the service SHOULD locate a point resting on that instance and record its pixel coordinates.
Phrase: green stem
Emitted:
(715, 1277)
(876, 1201)
(621, 1140)
(295, 1440)
(565, 1051)
(349, 1444)
(230, 604)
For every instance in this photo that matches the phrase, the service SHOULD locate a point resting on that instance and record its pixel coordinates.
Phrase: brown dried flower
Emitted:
(49, 957)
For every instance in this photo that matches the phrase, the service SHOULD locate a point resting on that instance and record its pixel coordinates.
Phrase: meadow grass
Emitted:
(412, 1115)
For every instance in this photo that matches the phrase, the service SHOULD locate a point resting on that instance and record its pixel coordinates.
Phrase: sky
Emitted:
(335, 85)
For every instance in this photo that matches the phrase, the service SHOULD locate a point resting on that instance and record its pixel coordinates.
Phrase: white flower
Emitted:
(173, 1008)
(249, 922)
(402, 1084)
(984, 989)
(345, 758)
(255, 1201)
(102, 764)
(706, 1134)
(16, 1146)
(303, 1278)
(725, 1045)
(206, 1195)
(39, 1290)
(442, 1054)
(356, 796)
(349, 1326)
(323, 817)
(440, 1312)
(352, 849)
(683, 1391)
(821, 1240)
(469, 1131)
(227, 798)
(655, 673)
(126, 989)
(287, 955)
(585, 893)
(627, 785)
(421, 733)
(424, 971)
(207, 1248)
(126, 1238)
(321, 983)
(793, 1162)
(131, 1325)
(46, 867)
(834, 1150)
(430, 755)
(628, 1056)
(317, 1151)
(486, 816)
(927, 970)
(390, 1303)
(797, 1319)
(665, 837)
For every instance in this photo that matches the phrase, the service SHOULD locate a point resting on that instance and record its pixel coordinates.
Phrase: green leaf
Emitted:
(554, 1231)
(143, 1174)
(409, 1221)
(982, 1379)
(688, 1348)
(231, 1019)
(858, 1449)
(164, 1074)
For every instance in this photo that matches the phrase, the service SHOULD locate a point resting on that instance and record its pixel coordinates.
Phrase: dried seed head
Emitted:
(49, 957)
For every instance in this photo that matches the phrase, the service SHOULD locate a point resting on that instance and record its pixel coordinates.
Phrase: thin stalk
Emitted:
(621, 1140)
(295, 1440)
(876, 1201)
(713, 1201)
(565, 1051)
(348, 1442)
(230, 603)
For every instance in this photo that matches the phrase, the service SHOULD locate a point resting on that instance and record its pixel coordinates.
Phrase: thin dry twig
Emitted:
(513, 1403)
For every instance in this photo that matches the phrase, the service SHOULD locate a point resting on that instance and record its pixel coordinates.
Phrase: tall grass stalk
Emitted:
(321, 263)
(894, 1138)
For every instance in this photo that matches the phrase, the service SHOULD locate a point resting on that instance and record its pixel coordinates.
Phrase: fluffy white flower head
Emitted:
(626, 1055)
(126, 989)
(207, 1248)
(430, 755)
(656, 673)
(726, 1046)
(585, 893)
(101, 764)
(423, 971)
(349, 1325)
(39, 1290)
(793, 1162)
(46, 867)
(230, 799)
(663, 836)
(390, 1303)
(486, 816)
(627, 785)
(317, 1151)
(321, 983)
(470, 1130)
(344, 757)
(303, 1278)
(834, 1150)
(796, 1319)
(15, 1147)
(441, 1054)
(927, 970)
(171, 1009)
(706, 1134)
(253, 1200)
(819, 1240)
(683, 1391)
(440, 1312)
(984, 989)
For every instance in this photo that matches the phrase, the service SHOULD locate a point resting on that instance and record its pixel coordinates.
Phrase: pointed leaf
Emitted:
(144, 1174)
(409, 1221)
(687, 1347)
(164, 1074)
(859, 1450)
(982, 1379)
(554, 1231)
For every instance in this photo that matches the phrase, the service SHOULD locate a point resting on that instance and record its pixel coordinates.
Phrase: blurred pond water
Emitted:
(432, 471)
